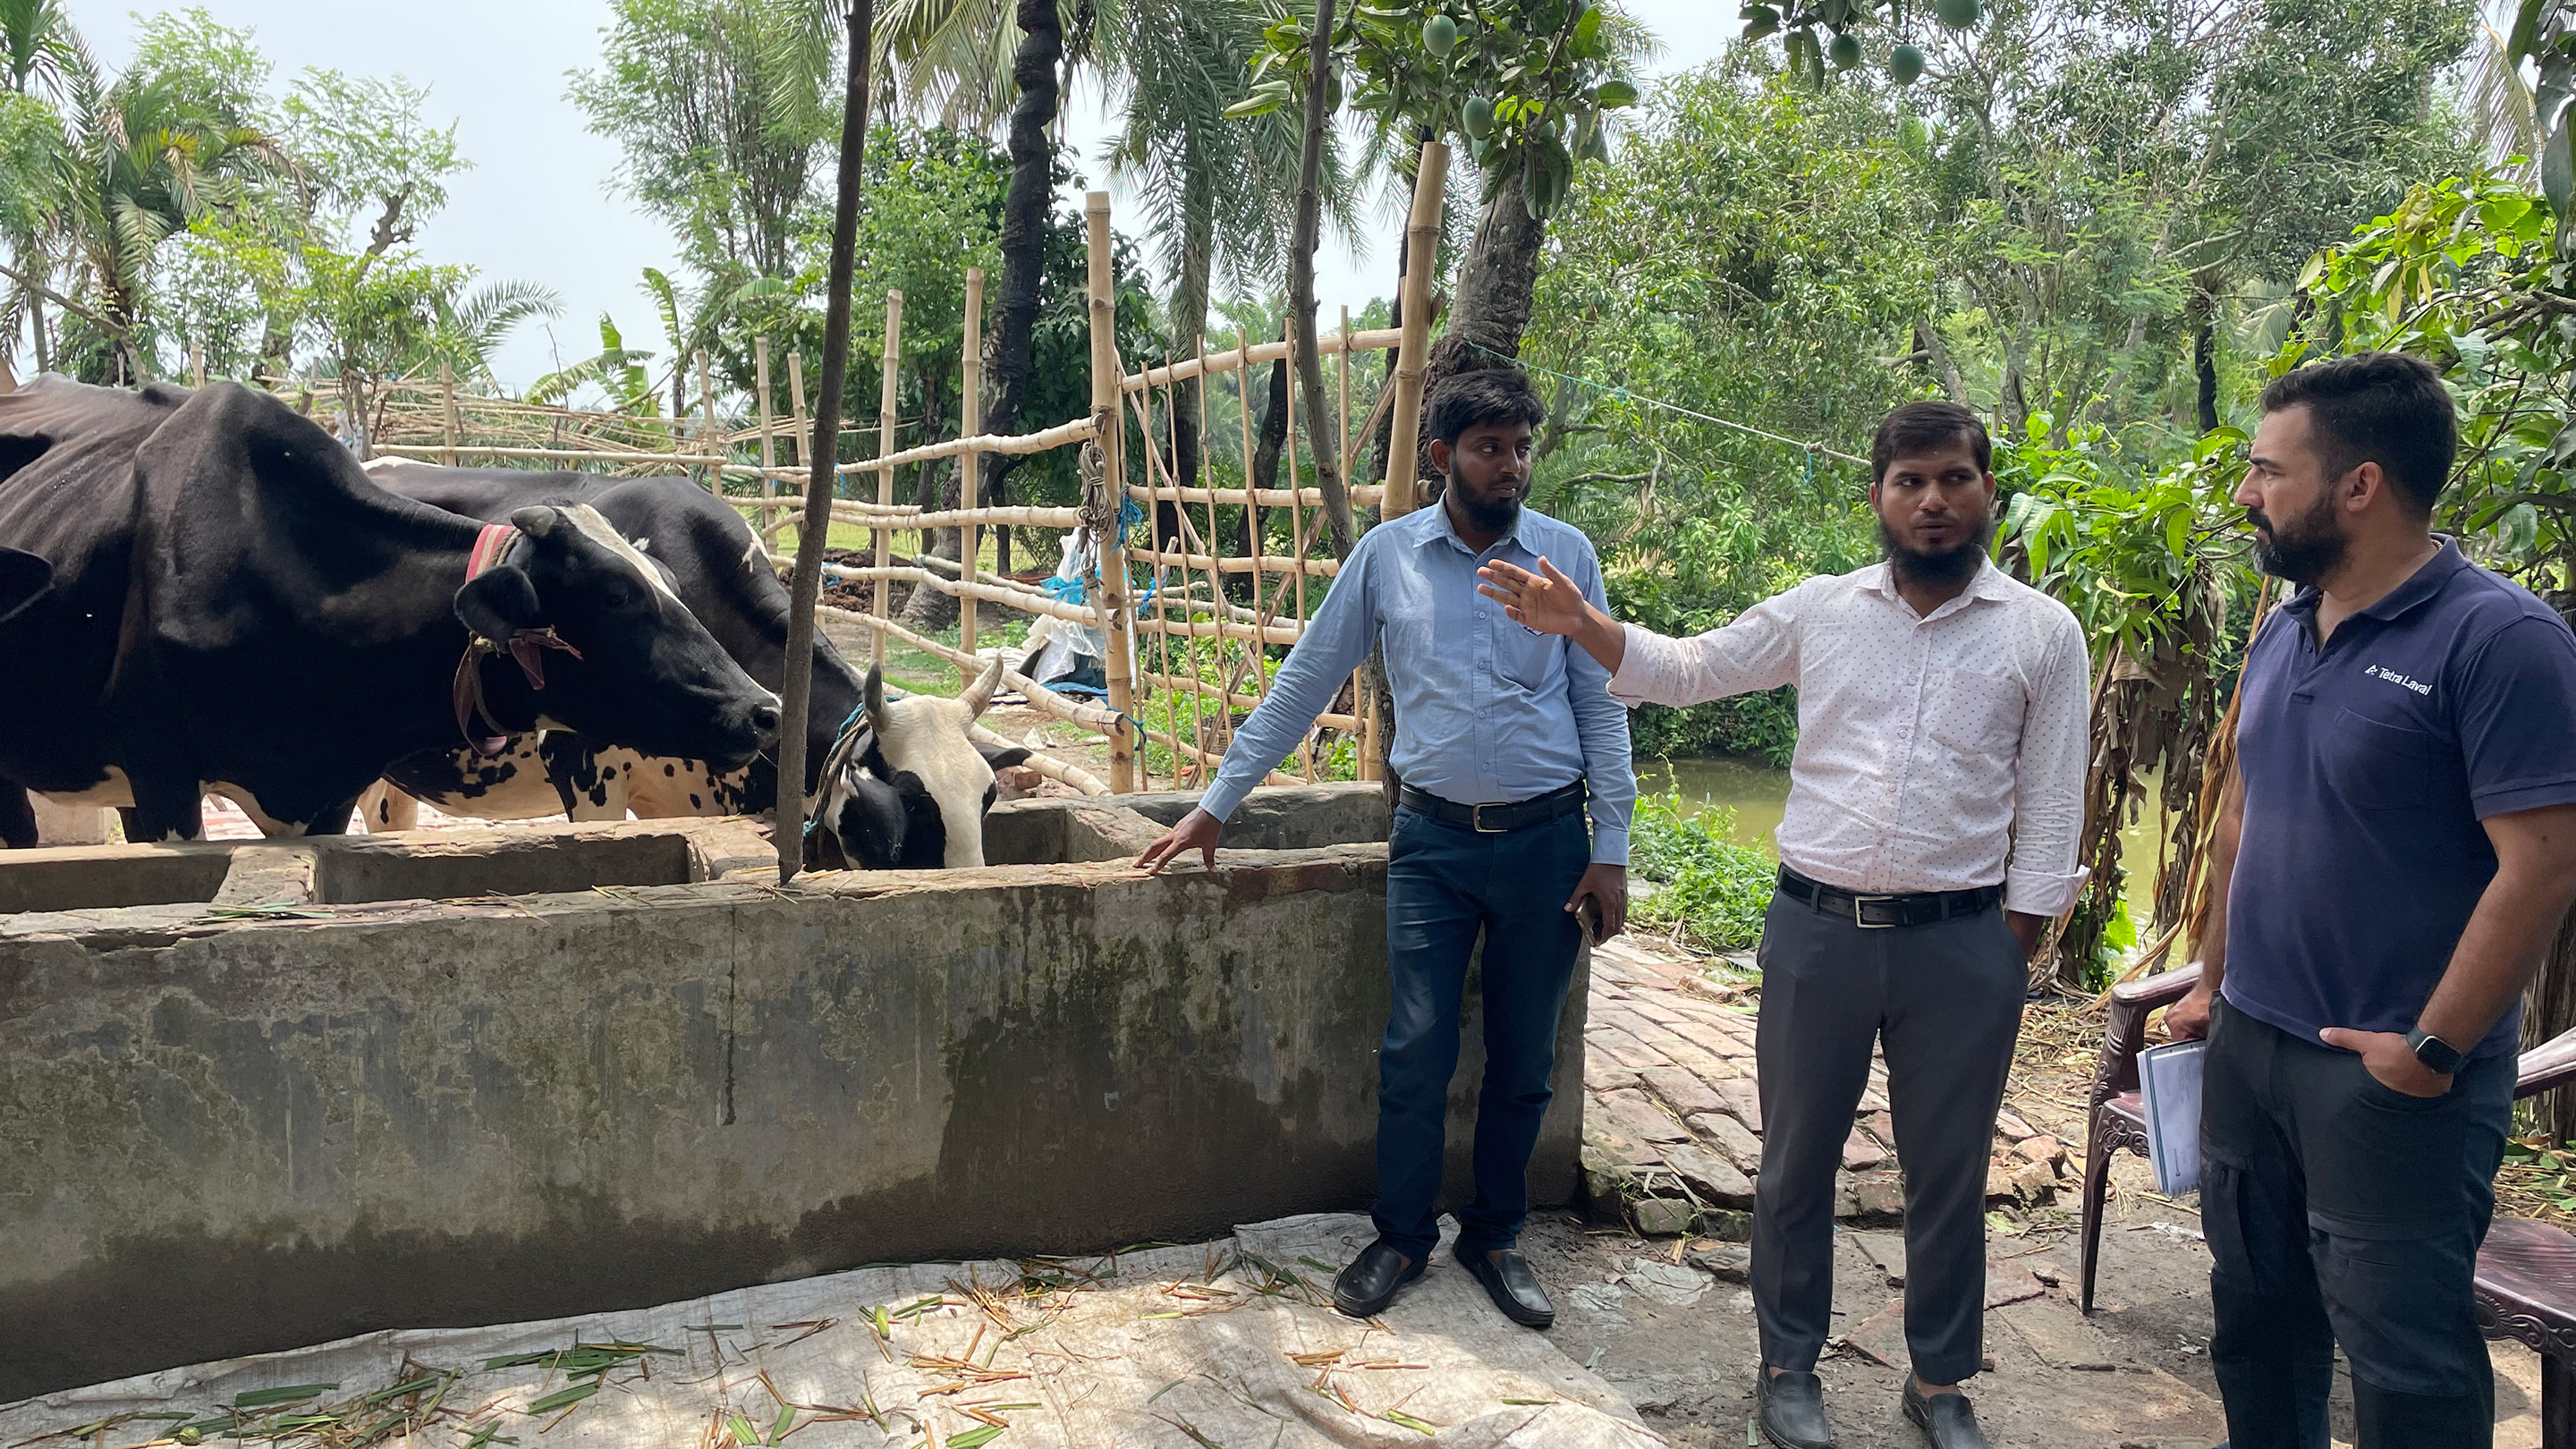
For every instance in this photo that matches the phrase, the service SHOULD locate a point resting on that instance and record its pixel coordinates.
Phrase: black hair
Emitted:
(1489, 395)
(2377, 407)
(1920, 425)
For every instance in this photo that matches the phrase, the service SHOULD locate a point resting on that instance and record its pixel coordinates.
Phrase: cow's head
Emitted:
(908, 788)
(625, 660)
(24, 578)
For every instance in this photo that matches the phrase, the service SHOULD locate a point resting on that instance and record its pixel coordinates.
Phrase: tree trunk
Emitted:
(36, 321)
(1189, 335)
(1496, 281)
(1263, 470)
(2204, 369)
(1927, 340)
(934, 486)
(1320, 433)
(1024, 213)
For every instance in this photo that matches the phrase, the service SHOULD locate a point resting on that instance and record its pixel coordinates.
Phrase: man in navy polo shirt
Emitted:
(2392, 859)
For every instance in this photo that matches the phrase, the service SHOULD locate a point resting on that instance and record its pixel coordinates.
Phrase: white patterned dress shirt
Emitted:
(1936, 752)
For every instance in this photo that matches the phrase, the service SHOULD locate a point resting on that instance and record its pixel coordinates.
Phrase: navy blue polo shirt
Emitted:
(2367, 766)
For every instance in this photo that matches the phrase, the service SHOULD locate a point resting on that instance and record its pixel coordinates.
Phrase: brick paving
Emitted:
(1673, 1121)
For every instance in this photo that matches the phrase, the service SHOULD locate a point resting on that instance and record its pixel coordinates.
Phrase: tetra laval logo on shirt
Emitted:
(2393, 677)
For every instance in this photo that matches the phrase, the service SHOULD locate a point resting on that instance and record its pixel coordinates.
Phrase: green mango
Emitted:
(1477, 117)
(1845, 51)
(1958, 14)
(1905, 65)
(1440, 35)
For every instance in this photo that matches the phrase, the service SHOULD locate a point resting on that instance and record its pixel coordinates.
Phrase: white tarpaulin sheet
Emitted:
(1225, 1345)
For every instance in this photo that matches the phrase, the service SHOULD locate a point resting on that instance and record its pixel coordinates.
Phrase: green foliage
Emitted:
(1711, 888)
(2466, 273)
(2119, 545)
(1527, 83)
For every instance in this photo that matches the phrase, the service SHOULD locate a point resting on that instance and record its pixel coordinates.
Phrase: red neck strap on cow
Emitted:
(465, 692)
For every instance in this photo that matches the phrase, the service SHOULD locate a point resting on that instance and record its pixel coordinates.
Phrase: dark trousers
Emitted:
(2341, 1211)
(1946, 999)
(1446, 884)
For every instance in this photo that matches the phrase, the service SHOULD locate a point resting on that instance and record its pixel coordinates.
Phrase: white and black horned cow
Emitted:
(907, 785)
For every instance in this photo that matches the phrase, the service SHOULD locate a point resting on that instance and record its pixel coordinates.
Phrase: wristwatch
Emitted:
(2438, 1056)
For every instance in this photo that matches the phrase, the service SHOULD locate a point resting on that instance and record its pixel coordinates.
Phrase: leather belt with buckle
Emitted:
(1881, 913)
(1498, 819)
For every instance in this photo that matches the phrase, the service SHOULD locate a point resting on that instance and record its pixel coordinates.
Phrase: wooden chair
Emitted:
(2526, 1282)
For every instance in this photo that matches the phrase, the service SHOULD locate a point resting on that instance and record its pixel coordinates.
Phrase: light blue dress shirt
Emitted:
(1487, 711)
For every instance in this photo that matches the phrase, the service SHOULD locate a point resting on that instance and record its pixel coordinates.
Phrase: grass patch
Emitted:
(1711, 888)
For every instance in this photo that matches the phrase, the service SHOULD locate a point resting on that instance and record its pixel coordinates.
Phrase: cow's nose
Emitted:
(764, 718)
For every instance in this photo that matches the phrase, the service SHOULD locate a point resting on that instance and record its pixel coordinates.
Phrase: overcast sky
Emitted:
(540, 203)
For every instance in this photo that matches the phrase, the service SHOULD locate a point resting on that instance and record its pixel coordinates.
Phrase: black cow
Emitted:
(716, 565)
(907, 787)
(236, 608)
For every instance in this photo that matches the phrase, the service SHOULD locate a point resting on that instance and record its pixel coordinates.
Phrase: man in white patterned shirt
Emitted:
(1938, 775)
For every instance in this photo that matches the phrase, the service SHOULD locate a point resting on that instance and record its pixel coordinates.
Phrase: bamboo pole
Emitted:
(1023, 600)
(768, 441)
(1297, 538)
(707, 420)
(1214, 540)
(1112, 439)
(432, 451)
(1264, 633)
(970, 419)
(1421, 243)
(797, 688)
(1254, 657)
(885, 451)
(447, 392)
(1328, 719)
(196, 364)
(1266, 497)
(1374, 340)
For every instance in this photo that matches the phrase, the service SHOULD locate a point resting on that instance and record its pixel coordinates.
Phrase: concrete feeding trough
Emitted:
(257, 1096)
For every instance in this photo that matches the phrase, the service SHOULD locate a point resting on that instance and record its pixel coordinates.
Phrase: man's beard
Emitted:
(1941, 568)
(2305, 552)
(1495, 516)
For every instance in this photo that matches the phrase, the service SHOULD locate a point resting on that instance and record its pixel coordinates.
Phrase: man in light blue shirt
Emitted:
(1499, 732)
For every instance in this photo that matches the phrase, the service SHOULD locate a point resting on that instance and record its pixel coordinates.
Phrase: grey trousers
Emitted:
(1947, 1000)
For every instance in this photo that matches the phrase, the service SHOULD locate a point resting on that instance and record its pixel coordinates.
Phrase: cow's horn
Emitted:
(873, 693)
(979, 695)
(536, 522)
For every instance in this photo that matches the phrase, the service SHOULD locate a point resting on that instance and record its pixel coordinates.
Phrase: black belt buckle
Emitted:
(1476, 821)
(1860, 912)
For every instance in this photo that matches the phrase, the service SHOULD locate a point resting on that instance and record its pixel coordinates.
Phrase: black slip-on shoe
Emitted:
(1363, 1289)
(1514, 1287)
(1790, 1407)
(1949, 1421)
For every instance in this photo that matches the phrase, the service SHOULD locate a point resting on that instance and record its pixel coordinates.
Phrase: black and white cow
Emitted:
(715, 563)
(907, 787)
(237, 609)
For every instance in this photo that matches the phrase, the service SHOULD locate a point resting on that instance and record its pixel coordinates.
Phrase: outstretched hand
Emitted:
(1197, 831)
(1547, 601)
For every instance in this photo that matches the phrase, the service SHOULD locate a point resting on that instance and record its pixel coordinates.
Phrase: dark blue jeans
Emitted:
(1445, 884)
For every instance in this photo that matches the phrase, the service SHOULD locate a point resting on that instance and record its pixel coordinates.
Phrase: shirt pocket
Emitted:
(1526, 658)
(2373, 765)
(1974, 713)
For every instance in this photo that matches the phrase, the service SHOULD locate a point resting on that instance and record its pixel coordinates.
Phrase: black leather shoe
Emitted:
(1515, 1289)
(1790, 1406)
(1947, 1420)
(1363, 1289)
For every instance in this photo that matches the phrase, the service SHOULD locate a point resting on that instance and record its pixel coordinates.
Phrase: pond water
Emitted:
(1759, 794)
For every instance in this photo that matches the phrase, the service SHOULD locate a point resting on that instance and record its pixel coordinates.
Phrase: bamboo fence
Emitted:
(1181, 667)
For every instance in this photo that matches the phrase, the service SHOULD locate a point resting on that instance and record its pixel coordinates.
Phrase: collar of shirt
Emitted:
(1447, 528)
(1988, 582)
(2419, 586)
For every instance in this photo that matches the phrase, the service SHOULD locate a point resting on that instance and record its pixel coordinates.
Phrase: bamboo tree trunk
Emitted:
(796, 691)
(1024, 213)
(1320, 434)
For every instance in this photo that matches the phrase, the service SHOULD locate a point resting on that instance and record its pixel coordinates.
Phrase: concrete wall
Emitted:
(222, 1134)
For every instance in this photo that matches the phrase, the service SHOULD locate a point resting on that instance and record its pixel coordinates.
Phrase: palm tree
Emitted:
(147, 158)
(39, 50)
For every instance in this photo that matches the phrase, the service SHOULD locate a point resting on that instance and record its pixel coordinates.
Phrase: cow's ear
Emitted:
(24, 578)
(1001, 757)
(498, 603)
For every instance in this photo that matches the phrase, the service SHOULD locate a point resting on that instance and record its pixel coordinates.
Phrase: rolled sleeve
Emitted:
(2048, 781)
